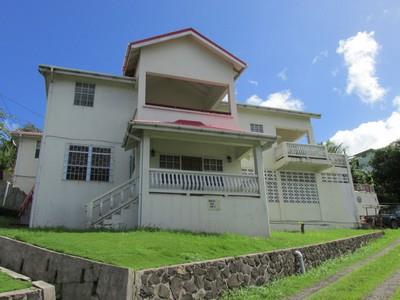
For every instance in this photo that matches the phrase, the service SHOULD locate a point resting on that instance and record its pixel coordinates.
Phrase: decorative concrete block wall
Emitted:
(78, 278)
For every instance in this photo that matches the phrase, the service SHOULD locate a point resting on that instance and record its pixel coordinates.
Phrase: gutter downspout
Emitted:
(300, 257)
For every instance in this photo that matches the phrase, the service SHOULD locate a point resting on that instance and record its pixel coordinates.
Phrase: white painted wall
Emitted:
(365, 203)
(243, 215)
(59, 202)
(26, 163)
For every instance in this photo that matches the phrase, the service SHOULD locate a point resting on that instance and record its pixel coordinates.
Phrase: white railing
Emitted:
(364, 187)
(113, 200)
(338, 160)
(173, 181)
(300, 150)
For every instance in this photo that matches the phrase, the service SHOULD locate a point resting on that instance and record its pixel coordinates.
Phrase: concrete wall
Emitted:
(243, 215)
(26, 164)
(60, 202)
(73, 277)
(366, 203)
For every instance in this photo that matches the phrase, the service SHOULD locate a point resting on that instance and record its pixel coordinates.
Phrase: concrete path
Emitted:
(387, 289)
(304, 294)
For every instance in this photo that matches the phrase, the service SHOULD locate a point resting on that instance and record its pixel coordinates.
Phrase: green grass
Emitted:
(8, 283)
(363, 281)
(396, 295)
(292, 285)
(144, 249)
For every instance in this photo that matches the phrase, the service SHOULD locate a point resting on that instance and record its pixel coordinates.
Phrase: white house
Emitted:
(166, 145)
(28, 145)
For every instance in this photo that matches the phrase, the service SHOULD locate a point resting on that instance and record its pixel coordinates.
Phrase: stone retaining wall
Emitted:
(209, 279)
(78, 278)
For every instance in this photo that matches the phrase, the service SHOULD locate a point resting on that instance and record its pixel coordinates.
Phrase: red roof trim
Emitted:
(178, 32)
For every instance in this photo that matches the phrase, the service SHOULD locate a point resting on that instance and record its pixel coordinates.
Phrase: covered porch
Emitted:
(196, 171)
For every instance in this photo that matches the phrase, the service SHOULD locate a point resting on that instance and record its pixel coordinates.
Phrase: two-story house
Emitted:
(166, 145)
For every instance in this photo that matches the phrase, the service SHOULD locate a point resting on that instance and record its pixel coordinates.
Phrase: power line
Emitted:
(3, 97)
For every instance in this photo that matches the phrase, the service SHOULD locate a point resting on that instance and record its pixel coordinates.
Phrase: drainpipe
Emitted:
(300, 257)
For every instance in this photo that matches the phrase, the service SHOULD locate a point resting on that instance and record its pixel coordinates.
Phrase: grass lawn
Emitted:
(8, 283)
(396, 295)
(144, 249)
(363, 281)
(290, 286)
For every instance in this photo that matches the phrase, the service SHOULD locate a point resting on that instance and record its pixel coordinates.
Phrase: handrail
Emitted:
(171, 181)
(300, 150)
(107, 203)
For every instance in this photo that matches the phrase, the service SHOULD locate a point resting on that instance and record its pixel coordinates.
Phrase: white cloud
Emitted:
(283, 74)
(359, 53)
(323, 54)
(253, 82)
(282, 99)
(396, 102)
(334, 72)
(375, 134)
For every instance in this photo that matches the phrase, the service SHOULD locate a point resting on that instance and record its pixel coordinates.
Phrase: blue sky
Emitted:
(296, 39)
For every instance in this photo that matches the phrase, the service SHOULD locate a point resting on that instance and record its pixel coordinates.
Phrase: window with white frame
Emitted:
(88, 163)
(256, 128)
(84, 94)
(170, 162)
(212, 164)
(37, 149)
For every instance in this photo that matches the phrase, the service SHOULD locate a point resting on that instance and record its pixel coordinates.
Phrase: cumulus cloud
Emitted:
(283, 74)
(323, 54)
(253, 82)
(375, 134)
(282, 99)
(396, 102)
(359, 53)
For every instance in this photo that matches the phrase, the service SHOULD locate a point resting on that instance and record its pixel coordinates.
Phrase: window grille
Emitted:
(334, 178)
(299, 187)
(37, 149)
(88, 163)
(214, 165)
(84, 94)
(256, 128)
(271, 183)
(248, 171)
(170, 162)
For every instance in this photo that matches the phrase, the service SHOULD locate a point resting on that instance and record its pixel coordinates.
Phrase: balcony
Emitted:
(206, 183)
(302, 157)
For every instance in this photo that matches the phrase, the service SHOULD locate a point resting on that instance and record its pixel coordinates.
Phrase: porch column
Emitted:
(259, 170)
(310, 137)
(144, 175)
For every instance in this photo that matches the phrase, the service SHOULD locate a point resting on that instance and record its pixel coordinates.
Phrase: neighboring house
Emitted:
(166, 145)
(364, 159)
(28, 145)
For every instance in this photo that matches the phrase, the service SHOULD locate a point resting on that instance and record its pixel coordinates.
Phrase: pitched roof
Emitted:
(133, 47)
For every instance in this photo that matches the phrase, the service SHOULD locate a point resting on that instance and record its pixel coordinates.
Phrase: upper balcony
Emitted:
(314, 158)
(169, 98)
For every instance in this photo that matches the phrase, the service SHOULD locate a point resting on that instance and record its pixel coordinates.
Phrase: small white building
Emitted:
(28, 150)
(167, 145)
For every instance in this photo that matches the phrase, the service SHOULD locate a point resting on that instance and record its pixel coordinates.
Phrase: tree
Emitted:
(386, 173)
(359, 175)
(332, 147)
(29, 127)
(8, 150)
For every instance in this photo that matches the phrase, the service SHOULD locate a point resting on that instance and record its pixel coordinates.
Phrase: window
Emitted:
(256, 128)
(37, 150)
(84, 94)
(88, 163)
(170, 162)
(211, 164)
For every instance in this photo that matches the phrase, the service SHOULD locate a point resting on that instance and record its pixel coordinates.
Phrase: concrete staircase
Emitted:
(116, 209)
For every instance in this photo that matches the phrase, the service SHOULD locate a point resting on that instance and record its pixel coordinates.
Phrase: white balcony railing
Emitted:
(300, 150)
(174, 181)
(338, 160)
